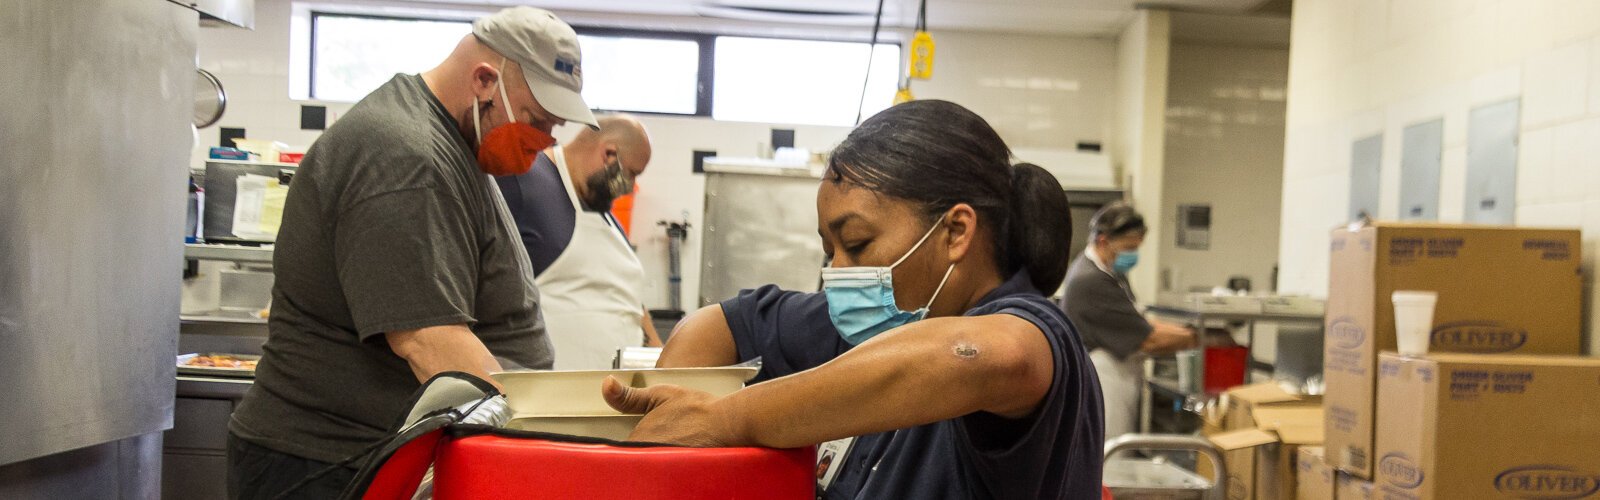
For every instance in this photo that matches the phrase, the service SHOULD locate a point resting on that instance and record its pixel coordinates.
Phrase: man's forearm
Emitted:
(702, 338)
(437, 349)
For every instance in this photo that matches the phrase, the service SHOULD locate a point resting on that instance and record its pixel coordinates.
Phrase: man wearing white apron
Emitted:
(1099, 302)
(587, 273)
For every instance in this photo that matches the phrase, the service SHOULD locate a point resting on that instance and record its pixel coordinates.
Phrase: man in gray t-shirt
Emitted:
(1101, 305)
(397, 259)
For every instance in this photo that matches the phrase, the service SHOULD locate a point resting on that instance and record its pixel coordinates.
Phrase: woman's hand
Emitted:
(673, 415)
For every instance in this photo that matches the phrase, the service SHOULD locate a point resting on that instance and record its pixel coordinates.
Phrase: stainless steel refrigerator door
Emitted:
(759, 229)
(94, 153)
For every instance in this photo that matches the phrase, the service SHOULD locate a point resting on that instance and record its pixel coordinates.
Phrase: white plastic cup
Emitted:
(1413, 320)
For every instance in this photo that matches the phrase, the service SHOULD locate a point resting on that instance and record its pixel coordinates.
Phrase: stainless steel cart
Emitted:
(1157, 479)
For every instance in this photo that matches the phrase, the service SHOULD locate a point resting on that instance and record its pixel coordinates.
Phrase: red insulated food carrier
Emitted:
(495, 466)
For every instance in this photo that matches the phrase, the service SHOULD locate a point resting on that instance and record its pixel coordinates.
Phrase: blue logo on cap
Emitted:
(569, 67)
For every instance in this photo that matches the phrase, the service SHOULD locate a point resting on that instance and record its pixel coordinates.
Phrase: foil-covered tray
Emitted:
(222, 364)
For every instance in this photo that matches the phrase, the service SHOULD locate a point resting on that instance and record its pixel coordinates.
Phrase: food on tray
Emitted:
(221, 361)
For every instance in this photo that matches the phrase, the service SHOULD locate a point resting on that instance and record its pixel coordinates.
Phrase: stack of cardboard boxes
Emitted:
(1259, 429)
(1316, 477)
(1501, 407)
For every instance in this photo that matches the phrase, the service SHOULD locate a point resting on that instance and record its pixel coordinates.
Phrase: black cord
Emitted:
(367, 452)
(294, 488)
(872, 47)
(922, 16)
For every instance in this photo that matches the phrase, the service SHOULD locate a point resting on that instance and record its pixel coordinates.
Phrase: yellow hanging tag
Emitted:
(903, 95)
(921, 56)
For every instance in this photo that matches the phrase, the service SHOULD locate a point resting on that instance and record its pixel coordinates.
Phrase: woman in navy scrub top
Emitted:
(990, 396)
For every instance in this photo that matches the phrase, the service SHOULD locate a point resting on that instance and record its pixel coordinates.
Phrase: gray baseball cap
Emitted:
(547, 49)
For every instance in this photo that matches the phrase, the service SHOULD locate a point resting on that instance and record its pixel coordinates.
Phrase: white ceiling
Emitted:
(1072, 17)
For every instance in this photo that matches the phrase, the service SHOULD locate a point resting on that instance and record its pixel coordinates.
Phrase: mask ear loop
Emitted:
(919, 242)
(942, 281)
(476, 127)
(914, 248)
(505, 101)
(499, 82)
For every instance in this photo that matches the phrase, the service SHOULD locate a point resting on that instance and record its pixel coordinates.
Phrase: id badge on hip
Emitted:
(830, 459)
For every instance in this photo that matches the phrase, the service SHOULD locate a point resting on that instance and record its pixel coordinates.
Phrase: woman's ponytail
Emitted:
(1039, 233)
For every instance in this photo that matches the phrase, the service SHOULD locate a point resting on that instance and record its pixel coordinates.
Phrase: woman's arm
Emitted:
(703, 338)
(924, 372)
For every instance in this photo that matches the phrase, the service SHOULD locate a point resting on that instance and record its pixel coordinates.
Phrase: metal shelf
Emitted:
(204, 319)
(199, 386)
(233, 253)
(1171, 386)
(1200, 316)
(1181, 416)
(1235, 316)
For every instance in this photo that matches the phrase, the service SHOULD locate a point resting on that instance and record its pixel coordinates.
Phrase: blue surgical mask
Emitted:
(861, 299)
(1125, 261)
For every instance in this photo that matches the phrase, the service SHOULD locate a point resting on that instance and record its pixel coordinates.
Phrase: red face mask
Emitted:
(508, 149)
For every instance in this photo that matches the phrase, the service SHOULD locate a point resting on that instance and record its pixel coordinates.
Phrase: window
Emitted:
(353, 55)
(724, 77)
(800, 81)
(652, 75)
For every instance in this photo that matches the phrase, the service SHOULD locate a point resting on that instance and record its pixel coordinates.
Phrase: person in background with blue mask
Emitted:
(931, 365)
(1100, 303)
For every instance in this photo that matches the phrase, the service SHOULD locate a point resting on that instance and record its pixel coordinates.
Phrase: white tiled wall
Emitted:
(1009, 91)
(1138, 145)
(1359, 67)
(254, 69)
(1224, 148)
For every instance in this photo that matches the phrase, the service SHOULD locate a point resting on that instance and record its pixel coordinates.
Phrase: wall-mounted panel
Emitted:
(1491, 189)
(1421, 150)
(1366, 163)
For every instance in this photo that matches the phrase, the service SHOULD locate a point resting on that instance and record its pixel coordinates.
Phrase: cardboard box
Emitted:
(1314, 480)
(1500, 290)
(1349, 487)
(1261, 460)
(1239, 403)
(1234, 411)
(1458, 426)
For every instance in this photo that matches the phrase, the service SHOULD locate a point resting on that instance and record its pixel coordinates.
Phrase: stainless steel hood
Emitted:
(237, 13)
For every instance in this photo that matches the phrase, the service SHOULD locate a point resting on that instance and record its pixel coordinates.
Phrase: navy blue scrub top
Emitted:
(1053, 453)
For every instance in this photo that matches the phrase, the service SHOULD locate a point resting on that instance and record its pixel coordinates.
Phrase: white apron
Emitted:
(1121, 384)
(1121, 381)
(591, 299)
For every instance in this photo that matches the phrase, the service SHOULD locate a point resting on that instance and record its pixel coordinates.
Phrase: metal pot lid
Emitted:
(209, 99)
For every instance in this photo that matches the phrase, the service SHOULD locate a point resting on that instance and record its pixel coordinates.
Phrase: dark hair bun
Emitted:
(1040, 235)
